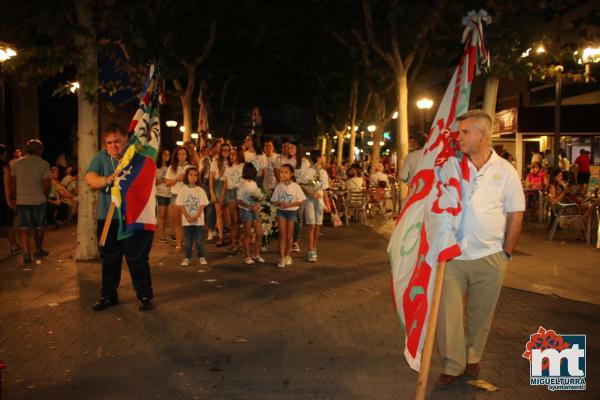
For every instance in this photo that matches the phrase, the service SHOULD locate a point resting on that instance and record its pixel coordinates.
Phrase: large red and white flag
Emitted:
(428, 225)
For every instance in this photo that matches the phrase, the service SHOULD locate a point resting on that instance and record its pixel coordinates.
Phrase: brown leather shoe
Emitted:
(472, 371)
(445, 380)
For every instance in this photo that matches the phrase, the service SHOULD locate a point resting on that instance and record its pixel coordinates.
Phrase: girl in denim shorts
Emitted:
(288, 197)
(248, 200)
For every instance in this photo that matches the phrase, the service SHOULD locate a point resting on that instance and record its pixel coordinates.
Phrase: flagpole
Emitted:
(430, 337)
(106, 226)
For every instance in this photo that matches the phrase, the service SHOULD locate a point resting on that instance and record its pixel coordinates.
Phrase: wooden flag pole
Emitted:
(431, 328)
(106, 226)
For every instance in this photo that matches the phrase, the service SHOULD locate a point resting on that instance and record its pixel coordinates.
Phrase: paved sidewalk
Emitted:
(324, 331)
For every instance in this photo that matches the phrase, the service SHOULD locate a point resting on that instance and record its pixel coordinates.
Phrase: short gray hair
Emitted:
(480, 115)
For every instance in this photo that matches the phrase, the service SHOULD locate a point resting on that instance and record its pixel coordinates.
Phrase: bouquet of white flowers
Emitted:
(257, 195)
(311, 185)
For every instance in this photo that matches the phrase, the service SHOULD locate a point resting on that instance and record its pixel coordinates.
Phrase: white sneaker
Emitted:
(185, 262)
(288, 260)
(259, 259)
(211, 236)
(248, 260)
(296, 247)
(202, 261)
(281, 263)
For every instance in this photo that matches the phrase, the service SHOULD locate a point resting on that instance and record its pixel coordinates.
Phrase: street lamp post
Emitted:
(6, 53)
(424, 104)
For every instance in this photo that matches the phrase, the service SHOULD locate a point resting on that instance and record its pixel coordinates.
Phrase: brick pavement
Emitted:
(325, 331)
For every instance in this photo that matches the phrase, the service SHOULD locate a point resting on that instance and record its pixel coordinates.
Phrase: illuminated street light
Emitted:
(355, 128)
(209, 136)
(382, 143)
(540, 49)
(395, 115)
(179, 143)
(74, 86)
(424, 104)
(194, 135)
(171, 123)
(182, 129)
(586, 57)
(370, 143)
(371, 128)
(6, 52)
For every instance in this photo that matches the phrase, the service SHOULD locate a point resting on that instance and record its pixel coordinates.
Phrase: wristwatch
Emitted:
(508, 255)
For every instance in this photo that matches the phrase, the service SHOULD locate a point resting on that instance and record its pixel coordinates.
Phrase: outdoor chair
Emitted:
(567, 216)
(355, 204)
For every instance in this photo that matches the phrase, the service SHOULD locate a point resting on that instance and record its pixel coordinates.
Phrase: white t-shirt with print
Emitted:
(192, 198)
(233, 175)
(161, 188)
(270, 163)
(290, 193)
(214, 167)
(172, 175)
(244, 192)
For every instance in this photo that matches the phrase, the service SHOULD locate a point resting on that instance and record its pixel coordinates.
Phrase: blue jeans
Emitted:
(210, 216)
(193, 233)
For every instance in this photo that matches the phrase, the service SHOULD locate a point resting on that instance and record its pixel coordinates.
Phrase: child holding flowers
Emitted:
(249, 198)
(288, 197)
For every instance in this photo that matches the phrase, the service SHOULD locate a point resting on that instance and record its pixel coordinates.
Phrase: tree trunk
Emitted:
(354, 99)
(402, 121)
(490, 97)
(377, 138)
(340, 146)
(186, 106)
(87, 141)
(185, 96)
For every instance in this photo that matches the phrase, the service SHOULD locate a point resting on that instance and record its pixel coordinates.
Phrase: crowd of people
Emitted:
(222, 187)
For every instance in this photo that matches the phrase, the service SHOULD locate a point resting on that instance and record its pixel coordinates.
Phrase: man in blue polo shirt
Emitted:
(100, 176)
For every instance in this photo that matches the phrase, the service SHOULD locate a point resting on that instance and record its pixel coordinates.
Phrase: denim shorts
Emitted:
(163, 201)
(230, 196)
(313, 211)
(32, 216)
(247, 215)
(289, 215)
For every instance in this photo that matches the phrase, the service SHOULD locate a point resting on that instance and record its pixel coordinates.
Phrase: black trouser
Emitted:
(135, 249)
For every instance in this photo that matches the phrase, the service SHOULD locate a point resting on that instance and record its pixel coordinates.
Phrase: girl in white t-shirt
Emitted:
(288, 197)
(191, 201)
(163, 193)
(180, 161)
(316, 201)
(217, 187)
(233, 176)
(295, 159)
(249, 207)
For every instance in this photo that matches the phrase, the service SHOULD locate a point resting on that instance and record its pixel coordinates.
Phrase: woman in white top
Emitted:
(163, 193)
(180, 161)
(217, 187)
(378, 175)
(249, 204)
(233, 176)
(355, 181)
(251, 153)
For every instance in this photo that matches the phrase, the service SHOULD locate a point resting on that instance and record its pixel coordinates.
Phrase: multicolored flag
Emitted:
(426, 233)
(202, 118)
(133, 191)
